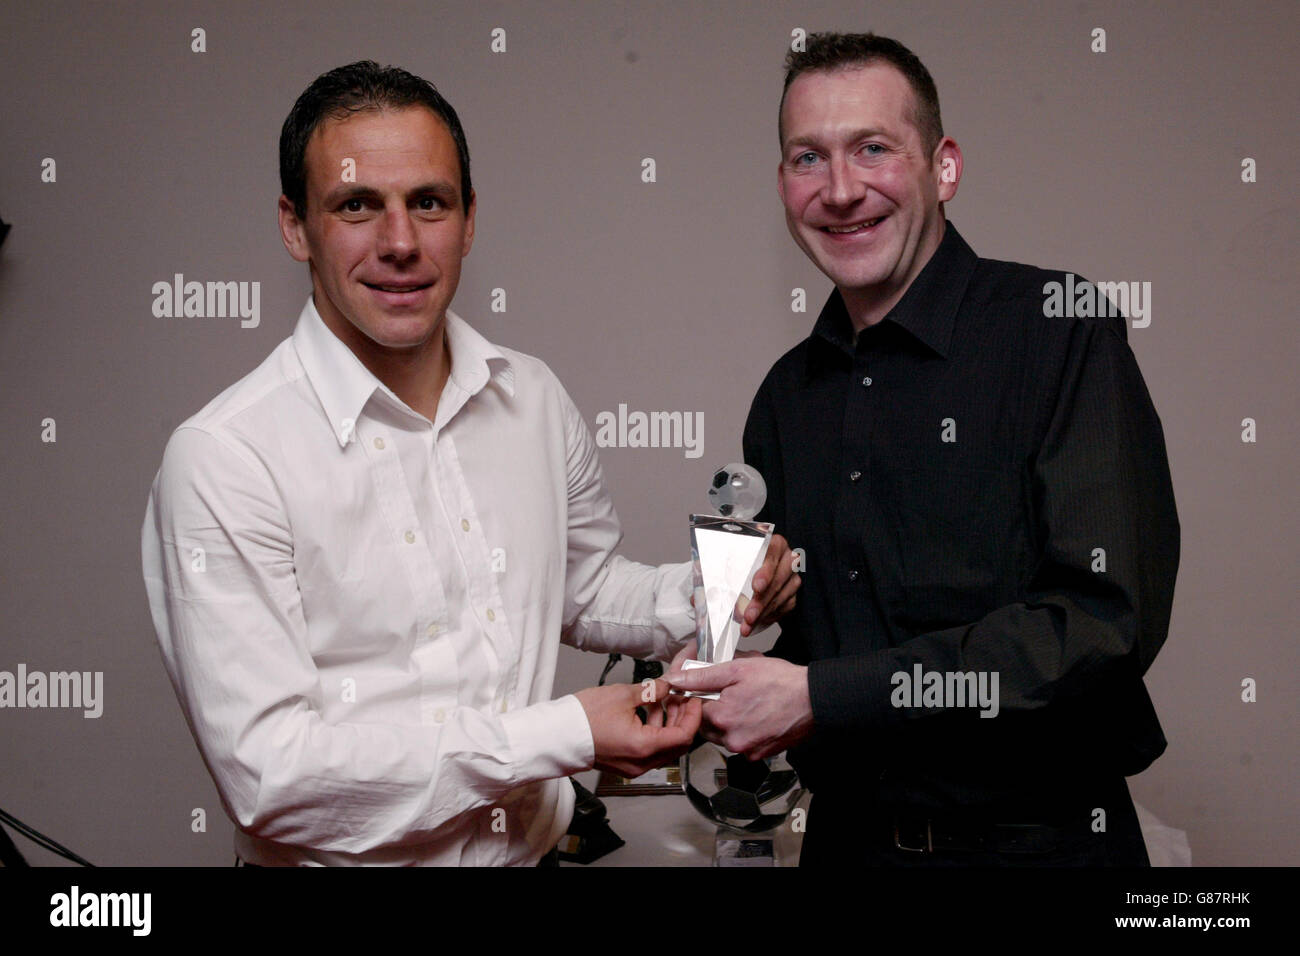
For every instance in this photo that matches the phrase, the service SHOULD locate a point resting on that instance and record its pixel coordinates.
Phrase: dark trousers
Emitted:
(857, 830)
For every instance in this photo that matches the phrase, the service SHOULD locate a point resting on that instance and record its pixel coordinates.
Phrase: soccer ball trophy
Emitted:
(747, 799)
(726, 550)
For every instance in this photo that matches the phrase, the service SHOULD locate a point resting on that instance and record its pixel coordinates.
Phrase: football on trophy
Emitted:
(752, 796)
(738, 491)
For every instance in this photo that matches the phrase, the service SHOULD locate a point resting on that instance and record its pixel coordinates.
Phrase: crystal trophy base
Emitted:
(744, 849)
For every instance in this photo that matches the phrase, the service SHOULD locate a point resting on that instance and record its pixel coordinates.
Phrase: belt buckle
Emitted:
(929, 839)
(1024, 838)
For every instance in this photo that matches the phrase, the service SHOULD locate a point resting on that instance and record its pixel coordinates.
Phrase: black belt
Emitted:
(1031, 823)
(917, 833)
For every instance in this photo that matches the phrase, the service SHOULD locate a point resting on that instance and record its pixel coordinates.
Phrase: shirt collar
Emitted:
(927, 309)
(344, 385)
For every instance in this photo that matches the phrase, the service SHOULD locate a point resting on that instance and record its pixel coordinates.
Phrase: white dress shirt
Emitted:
(361, 611)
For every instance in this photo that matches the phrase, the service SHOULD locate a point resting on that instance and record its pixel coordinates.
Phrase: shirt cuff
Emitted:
(674, 612)
(550, 739)
(851, 693)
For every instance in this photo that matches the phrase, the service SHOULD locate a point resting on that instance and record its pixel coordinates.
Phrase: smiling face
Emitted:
(385, 250)
(861, 193)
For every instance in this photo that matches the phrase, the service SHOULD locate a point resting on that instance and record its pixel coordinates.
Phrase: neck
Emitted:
(867, 306)
(416, 375)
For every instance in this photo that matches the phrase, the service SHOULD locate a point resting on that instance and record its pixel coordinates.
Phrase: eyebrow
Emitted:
(863, 133)
(442, 189)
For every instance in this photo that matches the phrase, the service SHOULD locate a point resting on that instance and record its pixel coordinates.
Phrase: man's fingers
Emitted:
(684, 710)
(779, 582)
(670, 738)
(713, 677)
(672, 713)
(626, 745)
(767, 570)
(777, 552)
(781, 603)
(784, 609)
(662, 688)
(658, 715)
(691, 716)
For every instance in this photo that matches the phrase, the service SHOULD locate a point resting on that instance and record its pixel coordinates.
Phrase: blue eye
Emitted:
(799, 160)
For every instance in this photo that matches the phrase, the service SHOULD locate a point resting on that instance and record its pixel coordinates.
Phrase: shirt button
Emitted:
(854, 475)
(410, 537)
(505, 705)
(379, 443)
(853, 575)
(491, 615)
(431, 630)
(866, 380)
(439, 715)
(464, 524)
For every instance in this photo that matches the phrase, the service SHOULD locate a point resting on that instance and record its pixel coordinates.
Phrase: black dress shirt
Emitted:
(976, 553)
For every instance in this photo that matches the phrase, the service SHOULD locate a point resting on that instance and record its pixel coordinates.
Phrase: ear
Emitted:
(948, 166)
(292, 231)
(780, 180)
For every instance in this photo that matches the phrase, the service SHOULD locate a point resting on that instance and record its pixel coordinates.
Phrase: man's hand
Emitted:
(775, 584)
(688, 652)
(624, 745)
(764, 707)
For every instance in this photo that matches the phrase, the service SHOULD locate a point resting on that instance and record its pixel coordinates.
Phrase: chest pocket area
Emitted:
(957, 534)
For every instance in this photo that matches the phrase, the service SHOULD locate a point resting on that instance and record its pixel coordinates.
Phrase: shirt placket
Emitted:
(433, 657)
(853, 502)
(481, 587)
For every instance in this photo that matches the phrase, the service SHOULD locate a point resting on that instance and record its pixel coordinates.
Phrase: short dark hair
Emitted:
(843, 51)
(363, 85)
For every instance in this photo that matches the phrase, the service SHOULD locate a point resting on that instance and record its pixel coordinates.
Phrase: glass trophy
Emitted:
(727, 548)
(747, 800)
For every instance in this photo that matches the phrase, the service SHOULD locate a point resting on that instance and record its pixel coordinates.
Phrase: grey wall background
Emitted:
(673, 295)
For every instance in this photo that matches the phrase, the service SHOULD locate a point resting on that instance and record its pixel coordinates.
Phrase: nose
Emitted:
(843, 187)
(397, 238)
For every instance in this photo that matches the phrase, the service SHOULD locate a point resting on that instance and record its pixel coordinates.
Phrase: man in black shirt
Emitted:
(982, 492)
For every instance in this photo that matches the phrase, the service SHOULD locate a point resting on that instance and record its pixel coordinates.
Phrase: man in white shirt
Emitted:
(362, 556)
